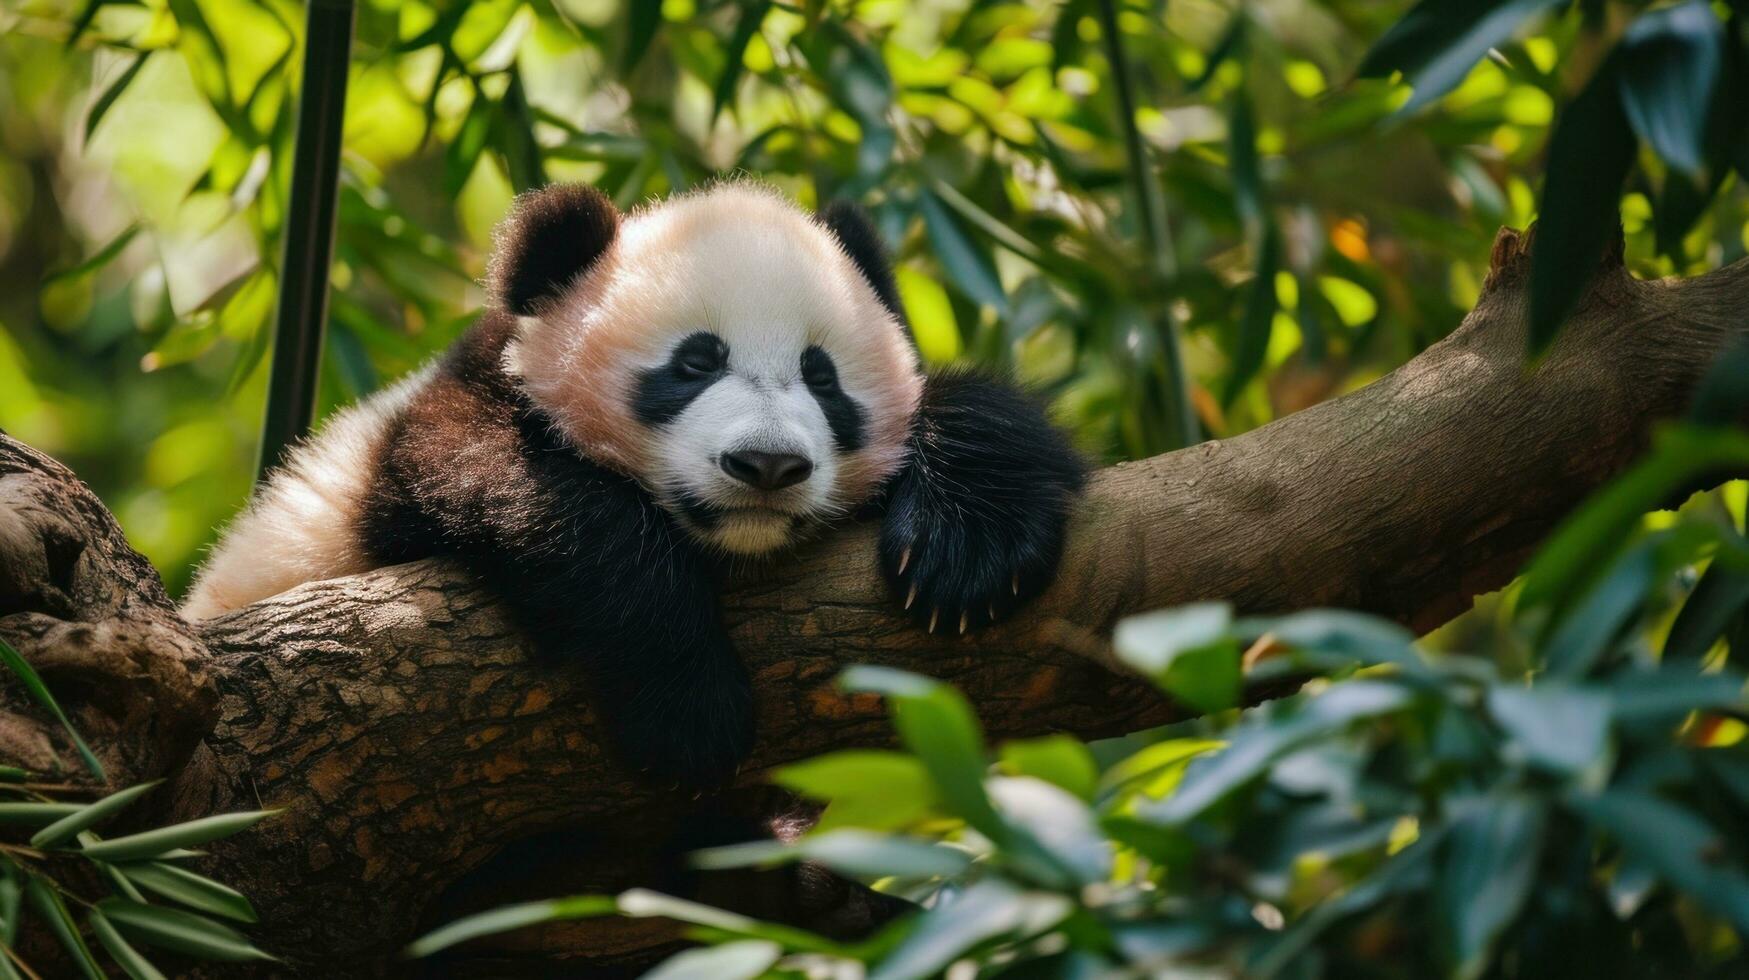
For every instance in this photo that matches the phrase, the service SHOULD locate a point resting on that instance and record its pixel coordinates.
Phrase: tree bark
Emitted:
(395, 720)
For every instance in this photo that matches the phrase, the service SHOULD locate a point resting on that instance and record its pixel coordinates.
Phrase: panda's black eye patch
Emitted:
(843, 415)
(700, 355)
(818, 371)
(664, 392)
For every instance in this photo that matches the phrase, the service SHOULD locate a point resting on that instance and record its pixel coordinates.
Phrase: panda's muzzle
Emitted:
(766, 471)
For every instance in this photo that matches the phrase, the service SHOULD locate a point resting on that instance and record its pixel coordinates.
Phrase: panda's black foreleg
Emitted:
(592, 569)
(625, 593)
(974, 523)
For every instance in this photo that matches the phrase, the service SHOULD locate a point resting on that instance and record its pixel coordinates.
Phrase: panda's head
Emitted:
(744, 361)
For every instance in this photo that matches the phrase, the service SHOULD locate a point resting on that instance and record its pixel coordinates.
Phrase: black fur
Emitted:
(550, 238)
(975, 521)
(843, 415)
(591, 566)
(850, 224)
(664, 392)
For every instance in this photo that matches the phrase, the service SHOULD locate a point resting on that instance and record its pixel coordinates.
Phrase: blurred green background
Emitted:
(1281, 223)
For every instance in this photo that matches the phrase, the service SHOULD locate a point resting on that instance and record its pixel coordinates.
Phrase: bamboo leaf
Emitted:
(1669, 61)
(27, 675)
(1258, 321)
(125, 956)
(511, 917)
(36, 814)
(90, 815)
(113, 91)
(1589, 156)
(734, 56)
(151, 843)
(642, 20)
(1437, 43)
(968, 266)
(103, 257)
(179, 931)
(192, 890)
(54, 911)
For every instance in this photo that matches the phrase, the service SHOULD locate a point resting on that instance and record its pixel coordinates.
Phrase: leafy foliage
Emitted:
(1405, 815)
(64, 860)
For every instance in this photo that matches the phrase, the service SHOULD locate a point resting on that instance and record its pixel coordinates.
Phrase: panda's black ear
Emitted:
(551, 237)
(850, 224)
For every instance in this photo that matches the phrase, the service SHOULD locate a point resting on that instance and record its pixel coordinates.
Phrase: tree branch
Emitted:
(394, 717)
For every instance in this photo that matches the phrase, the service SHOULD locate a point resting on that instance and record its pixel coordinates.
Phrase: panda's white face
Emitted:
(750, 435)
(728, 354)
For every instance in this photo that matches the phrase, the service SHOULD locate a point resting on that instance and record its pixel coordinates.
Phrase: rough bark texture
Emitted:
(394, 717)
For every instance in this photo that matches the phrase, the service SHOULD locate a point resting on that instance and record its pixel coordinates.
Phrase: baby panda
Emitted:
(646, 398)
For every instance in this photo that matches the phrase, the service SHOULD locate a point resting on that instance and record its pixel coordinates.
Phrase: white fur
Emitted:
(301, 526)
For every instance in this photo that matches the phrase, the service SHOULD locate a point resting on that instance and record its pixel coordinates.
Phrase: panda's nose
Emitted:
(767, 471)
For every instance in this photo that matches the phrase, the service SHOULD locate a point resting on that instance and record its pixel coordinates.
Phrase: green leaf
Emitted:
(856, 853)
(1489, 865)
(1582, 547)
(1667, 694)
(987, 910)
(1723, 395)
(179, 931)
(1189, 652)
(1589, 155)
(1720, 594)
(464, 151)
(90, 815)
(1682, 848)
(1557, 726)
(1156, 770)
(1580, 635)
(1258, 320)
(192, 890)
(125, 956)
(1669, 60)
(1062, 760)
(151, 843)
(511, 917)
(933, 324)
(11, 894)
(1437, 43)
(642, 20)
(1403, 871)
(113, 91)
(1356, 636)
(968, 266)
(36, 814)
(1252, 750)
(935, 722)
(1151, 641)
(27, 676)
(734, 56)
(1230, 46)
(1248, 191)
(863, 788)
(1059, 822)
(49, 905)
(643, 903)
(741, 960)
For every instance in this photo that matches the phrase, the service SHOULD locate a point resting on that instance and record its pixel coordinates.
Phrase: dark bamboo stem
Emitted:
(309, 231)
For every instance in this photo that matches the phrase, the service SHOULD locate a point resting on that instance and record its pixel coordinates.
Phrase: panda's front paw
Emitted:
(692, 732)
(959, 563)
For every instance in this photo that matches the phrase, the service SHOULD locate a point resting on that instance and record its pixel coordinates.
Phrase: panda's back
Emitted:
(302, 524)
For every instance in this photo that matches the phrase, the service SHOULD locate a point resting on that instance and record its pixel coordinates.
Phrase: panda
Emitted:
(647, 399)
